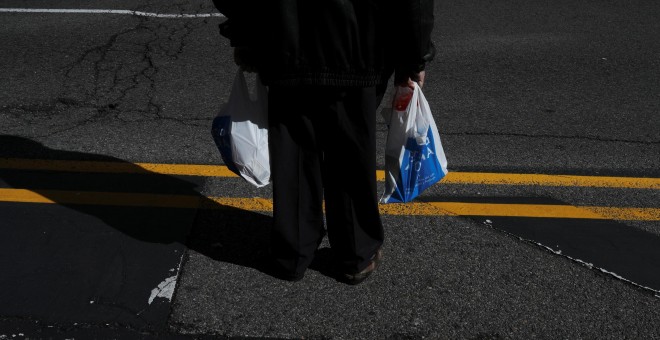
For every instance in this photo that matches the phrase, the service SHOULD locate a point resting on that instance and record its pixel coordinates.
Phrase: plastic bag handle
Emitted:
(422, 119)
(417, 121)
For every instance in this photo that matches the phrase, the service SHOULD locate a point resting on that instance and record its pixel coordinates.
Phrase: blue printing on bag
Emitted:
(420, 169)
(221, 131)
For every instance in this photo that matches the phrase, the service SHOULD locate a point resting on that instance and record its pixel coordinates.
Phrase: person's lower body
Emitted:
(322, 145)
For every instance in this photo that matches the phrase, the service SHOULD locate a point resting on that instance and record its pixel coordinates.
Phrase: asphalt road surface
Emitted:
(119, 220)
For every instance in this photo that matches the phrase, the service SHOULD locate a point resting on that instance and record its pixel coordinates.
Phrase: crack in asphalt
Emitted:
(106, 79)
(118, 79)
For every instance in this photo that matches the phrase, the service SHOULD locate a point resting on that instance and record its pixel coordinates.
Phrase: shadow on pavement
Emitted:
(227, 234)
(112, 262)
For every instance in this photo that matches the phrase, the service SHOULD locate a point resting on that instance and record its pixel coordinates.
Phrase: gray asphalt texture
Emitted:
(555, 87)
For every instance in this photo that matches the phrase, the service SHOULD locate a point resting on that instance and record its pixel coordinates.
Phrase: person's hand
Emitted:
(417, 78)
(245, 58)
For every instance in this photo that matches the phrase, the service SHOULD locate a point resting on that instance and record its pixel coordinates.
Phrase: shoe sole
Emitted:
(354, 279)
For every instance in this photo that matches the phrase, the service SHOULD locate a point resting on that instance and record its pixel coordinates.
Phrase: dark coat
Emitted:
(331, 42)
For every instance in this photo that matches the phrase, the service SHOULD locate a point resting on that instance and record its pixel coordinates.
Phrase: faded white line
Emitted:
(109, 11)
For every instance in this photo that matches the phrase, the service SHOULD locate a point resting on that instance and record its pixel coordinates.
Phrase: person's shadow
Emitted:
(220, 232)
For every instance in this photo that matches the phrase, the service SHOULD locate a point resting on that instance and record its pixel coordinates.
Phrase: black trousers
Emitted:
(322, 144)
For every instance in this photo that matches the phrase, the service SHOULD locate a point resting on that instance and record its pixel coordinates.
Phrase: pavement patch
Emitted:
(629, 254)
(99, 263)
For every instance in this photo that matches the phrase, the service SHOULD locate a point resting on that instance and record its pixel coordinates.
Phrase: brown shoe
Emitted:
(353, 279)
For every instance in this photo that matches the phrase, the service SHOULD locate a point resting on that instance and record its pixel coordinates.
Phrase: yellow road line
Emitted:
(487, 178)
(99, 198)
(552, 180)
(116, 167)
(222, 171)
(522, 210)
(262, 204)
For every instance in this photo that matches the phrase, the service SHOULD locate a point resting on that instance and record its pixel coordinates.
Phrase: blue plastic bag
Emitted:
(414, 157)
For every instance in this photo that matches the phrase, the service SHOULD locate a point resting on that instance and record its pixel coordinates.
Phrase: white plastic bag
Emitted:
(414, 157)
(240, 132)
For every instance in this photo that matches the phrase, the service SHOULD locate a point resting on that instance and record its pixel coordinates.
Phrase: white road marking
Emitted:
(164, 290)
(110, 11)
